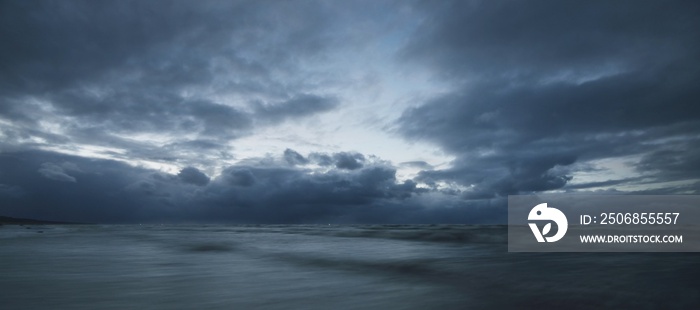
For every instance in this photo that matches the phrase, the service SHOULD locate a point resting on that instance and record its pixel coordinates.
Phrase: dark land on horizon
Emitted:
(6, 220)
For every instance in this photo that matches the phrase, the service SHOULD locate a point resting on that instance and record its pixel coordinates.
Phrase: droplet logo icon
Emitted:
(543, 213)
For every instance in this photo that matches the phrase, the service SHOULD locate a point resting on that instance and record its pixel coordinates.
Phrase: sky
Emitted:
(341, 111)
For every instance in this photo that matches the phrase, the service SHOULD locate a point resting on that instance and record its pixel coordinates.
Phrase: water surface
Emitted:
(323, 267)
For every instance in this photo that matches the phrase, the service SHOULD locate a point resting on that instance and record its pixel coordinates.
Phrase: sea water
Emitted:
(323, 267)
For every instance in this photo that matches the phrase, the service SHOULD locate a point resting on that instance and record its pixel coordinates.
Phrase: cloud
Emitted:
(294, 158)
(113, 192)
(525, 96)
(139, 77)
(298, 106)
(55, 172)
(543, 40)
(417, 164)
(193, 176)
(284, 194)
(10, 191)
(239, 176)
(349, 161)
(321, 159)
(537, 87)
(678, 160)
(98, 193)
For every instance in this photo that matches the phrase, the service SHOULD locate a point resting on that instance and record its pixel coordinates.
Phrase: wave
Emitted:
(399, 267)
(210, 247)
(431, 233)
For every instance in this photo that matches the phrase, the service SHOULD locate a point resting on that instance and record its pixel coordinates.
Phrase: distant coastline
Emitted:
(6, 220)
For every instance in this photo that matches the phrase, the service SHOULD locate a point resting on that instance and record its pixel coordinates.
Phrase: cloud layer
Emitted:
(540, 89)
(243, 111)
(62, 187)
(153, 78)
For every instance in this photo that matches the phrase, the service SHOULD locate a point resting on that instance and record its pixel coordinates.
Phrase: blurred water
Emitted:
(323, 267)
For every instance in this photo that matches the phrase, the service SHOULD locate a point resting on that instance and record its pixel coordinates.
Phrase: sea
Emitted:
(324, 267)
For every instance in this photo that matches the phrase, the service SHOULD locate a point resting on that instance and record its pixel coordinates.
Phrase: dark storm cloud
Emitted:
(193, 176)
(300, 105)
(294, 158)
(58, 44)
(97, 192)
(109, 191)
(96, 72)
(321, 159)
(341, 160)
(10, 191)
(675, 161)
(501, 39)
(349, 161)
(539, 86)
(239, 176)
(283, 194)
(132, 112)
(55, 172)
